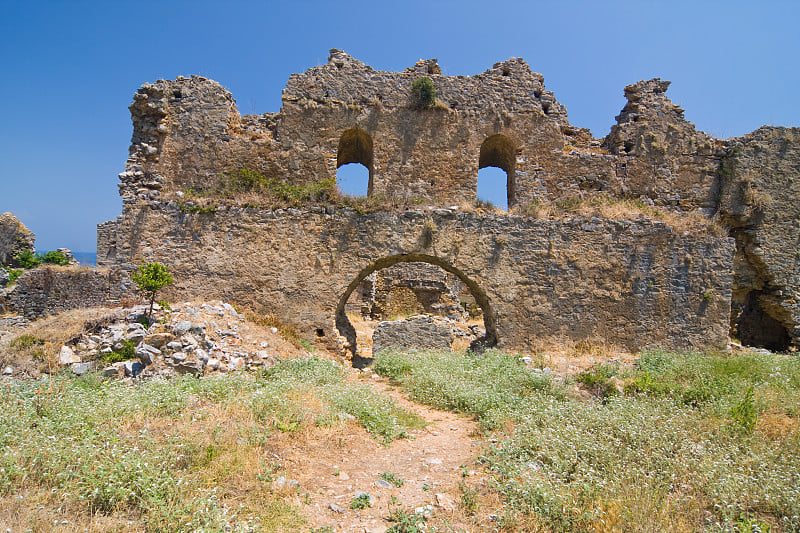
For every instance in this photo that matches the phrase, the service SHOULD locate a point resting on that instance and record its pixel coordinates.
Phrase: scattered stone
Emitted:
(7, 371)
(136, 336)
(181, 328)
(336, 508)
(425, 511)
(189, 367)
(133, 368)
(158, 340)
(445, 502)
(114, 371)
(80, 369)
(383, 484)
(66, 356)
(283, 483)
(174, 346)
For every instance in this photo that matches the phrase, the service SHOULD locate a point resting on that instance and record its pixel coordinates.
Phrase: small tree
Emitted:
(150, 278)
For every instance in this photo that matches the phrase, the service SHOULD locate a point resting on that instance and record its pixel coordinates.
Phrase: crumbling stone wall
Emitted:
(188, 135)
(760, 201)
(49, 290)
(414, 288)
(416, 332)
(631, 282)
(660, 155)
(14, 238)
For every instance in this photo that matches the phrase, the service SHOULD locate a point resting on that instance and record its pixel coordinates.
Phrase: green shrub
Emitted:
(14, 274)
(406, 521)
(598, 379)
(53, 257)
(26, 259)
(744, 413)
(362, 501)
(26, 341)
(126, 353)
(424, 92)
(392, 478)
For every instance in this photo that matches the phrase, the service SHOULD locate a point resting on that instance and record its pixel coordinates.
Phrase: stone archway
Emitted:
(346, 329)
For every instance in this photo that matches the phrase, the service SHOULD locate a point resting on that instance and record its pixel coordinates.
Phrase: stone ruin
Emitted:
(657, 234)
(411, 288)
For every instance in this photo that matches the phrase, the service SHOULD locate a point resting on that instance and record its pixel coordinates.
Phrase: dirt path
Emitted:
(437, 466)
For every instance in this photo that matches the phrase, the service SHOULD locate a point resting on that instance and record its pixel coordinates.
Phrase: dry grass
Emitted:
(608, 207)
(34, 349)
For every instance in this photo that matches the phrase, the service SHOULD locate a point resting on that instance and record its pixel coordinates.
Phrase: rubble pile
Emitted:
(191, 338)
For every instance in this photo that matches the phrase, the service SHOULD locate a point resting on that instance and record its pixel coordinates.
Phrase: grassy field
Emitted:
(678, 442)
(181, 455)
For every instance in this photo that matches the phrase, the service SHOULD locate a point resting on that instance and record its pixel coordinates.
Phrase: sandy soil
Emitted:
(435, 463)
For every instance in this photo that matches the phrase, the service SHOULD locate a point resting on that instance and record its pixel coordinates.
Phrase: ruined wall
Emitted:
(188, 134)
(14, 238)
(415, 288)
(544, 277)
(49, 290)
(760, 201)
(632, 283)
(661, 157)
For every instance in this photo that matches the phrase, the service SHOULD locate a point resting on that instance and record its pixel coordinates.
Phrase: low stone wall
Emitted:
(628, 282)
(50, 290)
(413, 332)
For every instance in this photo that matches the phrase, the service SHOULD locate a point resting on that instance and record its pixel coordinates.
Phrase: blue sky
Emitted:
(70, 68)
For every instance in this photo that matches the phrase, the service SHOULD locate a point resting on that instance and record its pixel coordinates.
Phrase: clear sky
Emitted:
(70, 68)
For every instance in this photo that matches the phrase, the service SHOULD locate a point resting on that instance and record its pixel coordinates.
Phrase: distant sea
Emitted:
(86, 258)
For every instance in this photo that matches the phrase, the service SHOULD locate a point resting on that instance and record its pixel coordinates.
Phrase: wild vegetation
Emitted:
(178, 455)
(680, 442)
(424, 92)
(675, 442)
(26, 259)
(151, 278)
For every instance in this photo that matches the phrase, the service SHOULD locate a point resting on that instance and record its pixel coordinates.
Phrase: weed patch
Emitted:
(681, 448)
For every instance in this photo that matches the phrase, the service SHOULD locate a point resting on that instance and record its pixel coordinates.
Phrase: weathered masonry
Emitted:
(244, 207)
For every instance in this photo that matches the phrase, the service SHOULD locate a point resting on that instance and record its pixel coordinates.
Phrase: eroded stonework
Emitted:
(14, 238)
(623, 279)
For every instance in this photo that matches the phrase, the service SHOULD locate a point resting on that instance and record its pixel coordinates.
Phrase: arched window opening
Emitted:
(354, 163)
(353, 179)
(496, 184)
(493, 187)
(401, 286)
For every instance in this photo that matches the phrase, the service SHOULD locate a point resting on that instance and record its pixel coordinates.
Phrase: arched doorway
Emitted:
(355, 154)
(346, 329)
(497, 151)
